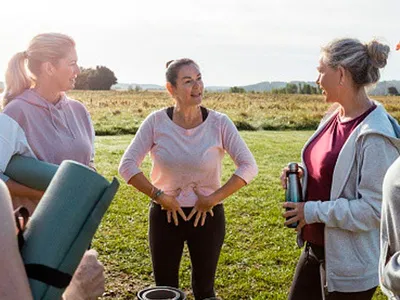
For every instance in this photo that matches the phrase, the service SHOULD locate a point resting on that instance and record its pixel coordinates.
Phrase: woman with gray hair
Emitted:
(344, 163)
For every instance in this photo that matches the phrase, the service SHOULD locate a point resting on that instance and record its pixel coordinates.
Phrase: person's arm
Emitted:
(13, 280)
(140, 145)
(88, 280)
(361, 214)
(391, 274)
(93, 136)
(167, 202)
(246, 170)
(18, 190)
(389, 263)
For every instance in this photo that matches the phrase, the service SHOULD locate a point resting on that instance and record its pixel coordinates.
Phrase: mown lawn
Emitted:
(259, 254)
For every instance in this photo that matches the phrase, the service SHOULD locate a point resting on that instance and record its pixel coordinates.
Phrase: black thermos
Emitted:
(293, 188)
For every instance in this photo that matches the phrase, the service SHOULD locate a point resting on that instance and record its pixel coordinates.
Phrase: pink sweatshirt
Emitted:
(187, 158)
(31, 126)
(52, 132)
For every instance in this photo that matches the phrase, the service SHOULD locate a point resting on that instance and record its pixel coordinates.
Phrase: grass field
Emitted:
(259, 254)
(118, 112)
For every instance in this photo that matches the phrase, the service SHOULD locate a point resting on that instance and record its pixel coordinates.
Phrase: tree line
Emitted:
(290, 88)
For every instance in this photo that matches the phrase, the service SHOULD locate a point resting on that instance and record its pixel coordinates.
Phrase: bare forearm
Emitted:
(231, 186)
(140, 182)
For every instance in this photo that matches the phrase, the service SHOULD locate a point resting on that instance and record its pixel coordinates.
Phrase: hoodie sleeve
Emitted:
(12, 141)
(389, 263)
(364, 213)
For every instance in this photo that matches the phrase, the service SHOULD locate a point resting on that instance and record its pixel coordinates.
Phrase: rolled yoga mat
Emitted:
(31, 172)
(63, 225)
(161, 293)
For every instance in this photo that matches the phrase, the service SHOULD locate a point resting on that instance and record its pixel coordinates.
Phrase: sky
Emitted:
(234, 42)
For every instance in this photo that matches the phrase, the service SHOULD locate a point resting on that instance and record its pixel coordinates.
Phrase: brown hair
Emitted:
(173, 67)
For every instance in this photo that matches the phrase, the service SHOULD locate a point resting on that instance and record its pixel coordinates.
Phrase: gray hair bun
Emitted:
(378, 53)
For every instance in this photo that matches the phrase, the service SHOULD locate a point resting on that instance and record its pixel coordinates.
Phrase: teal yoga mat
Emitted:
(65, 221)
(31, 172)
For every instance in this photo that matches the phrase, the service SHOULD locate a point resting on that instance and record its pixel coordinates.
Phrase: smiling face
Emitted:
(66, 71)
(189, 86)
(329, 81)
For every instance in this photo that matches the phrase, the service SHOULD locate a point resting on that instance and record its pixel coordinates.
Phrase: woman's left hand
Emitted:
(203, 205)
(296, 214)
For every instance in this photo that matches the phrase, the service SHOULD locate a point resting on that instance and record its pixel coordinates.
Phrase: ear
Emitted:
(170, 88)
(342, 75)
(48, 68)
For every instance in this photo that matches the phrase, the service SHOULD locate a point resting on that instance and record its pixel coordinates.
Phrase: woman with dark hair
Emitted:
(344, 163)
(187, 143)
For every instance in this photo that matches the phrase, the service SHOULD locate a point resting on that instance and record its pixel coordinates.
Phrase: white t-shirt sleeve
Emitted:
(12, 141)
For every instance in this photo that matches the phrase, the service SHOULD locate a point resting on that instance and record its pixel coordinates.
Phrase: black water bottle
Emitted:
(293, 188)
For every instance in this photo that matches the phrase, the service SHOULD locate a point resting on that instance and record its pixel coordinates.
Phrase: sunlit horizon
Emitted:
(234, 42)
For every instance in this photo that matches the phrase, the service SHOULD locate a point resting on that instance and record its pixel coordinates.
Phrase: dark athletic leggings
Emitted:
(307, 281)
(204, 244)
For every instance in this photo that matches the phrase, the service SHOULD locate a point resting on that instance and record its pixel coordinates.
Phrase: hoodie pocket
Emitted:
(345, 257)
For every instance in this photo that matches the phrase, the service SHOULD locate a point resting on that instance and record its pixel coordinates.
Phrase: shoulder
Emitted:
(76, 105)
(219, 117)
(157, 115)
(16, 108)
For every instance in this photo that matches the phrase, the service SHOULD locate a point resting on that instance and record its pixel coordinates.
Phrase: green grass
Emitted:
(259, 254)
(121, 112)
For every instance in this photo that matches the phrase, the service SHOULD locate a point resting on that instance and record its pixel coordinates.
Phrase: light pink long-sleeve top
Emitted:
(186, 158)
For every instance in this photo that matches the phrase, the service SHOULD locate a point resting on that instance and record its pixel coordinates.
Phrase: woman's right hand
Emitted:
(171, 205)
(283, 176)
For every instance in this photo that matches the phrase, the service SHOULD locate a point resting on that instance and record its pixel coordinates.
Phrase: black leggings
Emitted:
(307, 280)
(204, 244)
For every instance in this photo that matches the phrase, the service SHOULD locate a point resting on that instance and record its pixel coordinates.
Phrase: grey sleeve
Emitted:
(391, 274)
(390, 230)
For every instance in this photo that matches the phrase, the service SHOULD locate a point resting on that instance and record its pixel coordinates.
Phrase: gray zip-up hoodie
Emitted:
(352, 216)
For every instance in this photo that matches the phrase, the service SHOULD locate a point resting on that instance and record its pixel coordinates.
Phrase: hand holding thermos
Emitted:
(294, 204)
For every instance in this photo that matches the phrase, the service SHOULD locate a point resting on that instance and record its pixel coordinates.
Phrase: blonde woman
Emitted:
(38, 119)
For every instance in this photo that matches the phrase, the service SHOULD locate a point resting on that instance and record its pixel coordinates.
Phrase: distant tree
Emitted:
(81, 81)
(393, 91)
(291, 88)
(101, 78)
(307, 89)
(237, 89)
(138, 88)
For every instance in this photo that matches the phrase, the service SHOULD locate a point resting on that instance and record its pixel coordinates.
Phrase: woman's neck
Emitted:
(354, 104)
(47, 93)
(187, 117)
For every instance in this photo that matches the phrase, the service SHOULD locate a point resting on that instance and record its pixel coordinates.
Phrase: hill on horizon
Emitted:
(265, 86)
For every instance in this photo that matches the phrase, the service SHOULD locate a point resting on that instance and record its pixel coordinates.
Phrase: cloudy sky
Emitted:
(235, 42)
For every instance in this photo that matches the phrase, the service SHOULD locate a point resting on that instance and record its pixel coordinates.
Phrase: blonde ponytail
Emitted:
(24, 67)
(16, 78)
